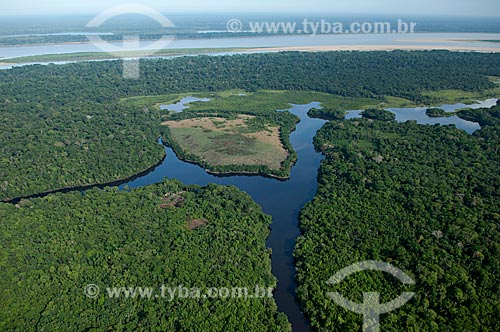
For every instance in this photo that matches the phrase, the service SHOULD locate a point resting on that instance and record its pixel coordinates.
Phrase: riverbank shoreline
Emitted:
(115, 183)
(100, 56)
(386, 48)
(79, 52)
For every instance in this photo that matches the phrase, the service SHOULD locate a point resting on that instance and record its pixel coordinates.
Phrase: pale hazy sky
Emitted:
(435, 7)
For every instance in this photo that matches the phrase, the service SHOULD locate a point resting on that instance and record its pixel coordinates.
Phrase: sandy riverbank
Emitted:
(379, 48)
(444, 40)
(323, 48)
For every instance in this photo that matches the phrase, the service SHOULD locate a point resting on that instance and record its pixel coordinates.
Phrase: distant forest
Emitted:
(62, 125)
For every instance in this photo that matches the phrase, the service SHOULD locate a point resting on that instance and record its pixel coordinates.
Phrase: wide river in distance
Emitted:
(423, 40)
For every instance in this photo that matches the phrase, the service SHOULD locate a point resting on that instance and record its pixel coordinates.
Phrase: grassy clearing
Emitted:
(459, 96)
(265, 100)
(222, 142)
(214, 135)
(223, 149)
(396, 102)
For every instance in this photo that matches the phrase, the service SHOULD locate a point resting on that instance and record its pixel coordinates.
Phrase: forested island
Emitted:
(435, 112)
(424, 198)
(381, 115)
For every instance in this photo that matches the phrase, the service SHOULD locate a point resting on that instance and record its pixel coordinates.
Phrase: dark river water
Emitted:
(283, 200)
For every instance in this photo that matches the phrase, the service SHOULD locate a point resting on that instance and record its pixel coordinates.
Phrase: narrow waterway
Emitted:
(283, 200)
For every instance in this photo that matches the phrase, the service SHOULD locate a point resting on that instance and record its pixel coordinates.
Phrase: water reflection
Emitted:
(419, 114)
(182, 104)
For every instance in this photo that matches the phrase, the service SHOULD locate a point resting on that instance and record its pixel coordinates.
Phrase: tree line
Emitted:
(63, 125)
(422, 198)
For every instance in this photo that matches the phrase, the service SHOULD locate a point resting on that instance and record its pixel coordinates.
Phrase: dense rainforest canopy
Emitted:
(51, 248)
(423, 198)
(62, 125)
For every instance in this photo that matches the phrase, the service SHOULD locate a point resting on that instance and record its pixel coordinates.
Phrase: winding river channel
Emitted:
(283, 200)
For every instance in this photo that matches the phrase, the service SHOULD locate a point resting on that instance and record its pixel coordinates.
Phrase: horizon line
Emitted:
(248, 13)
